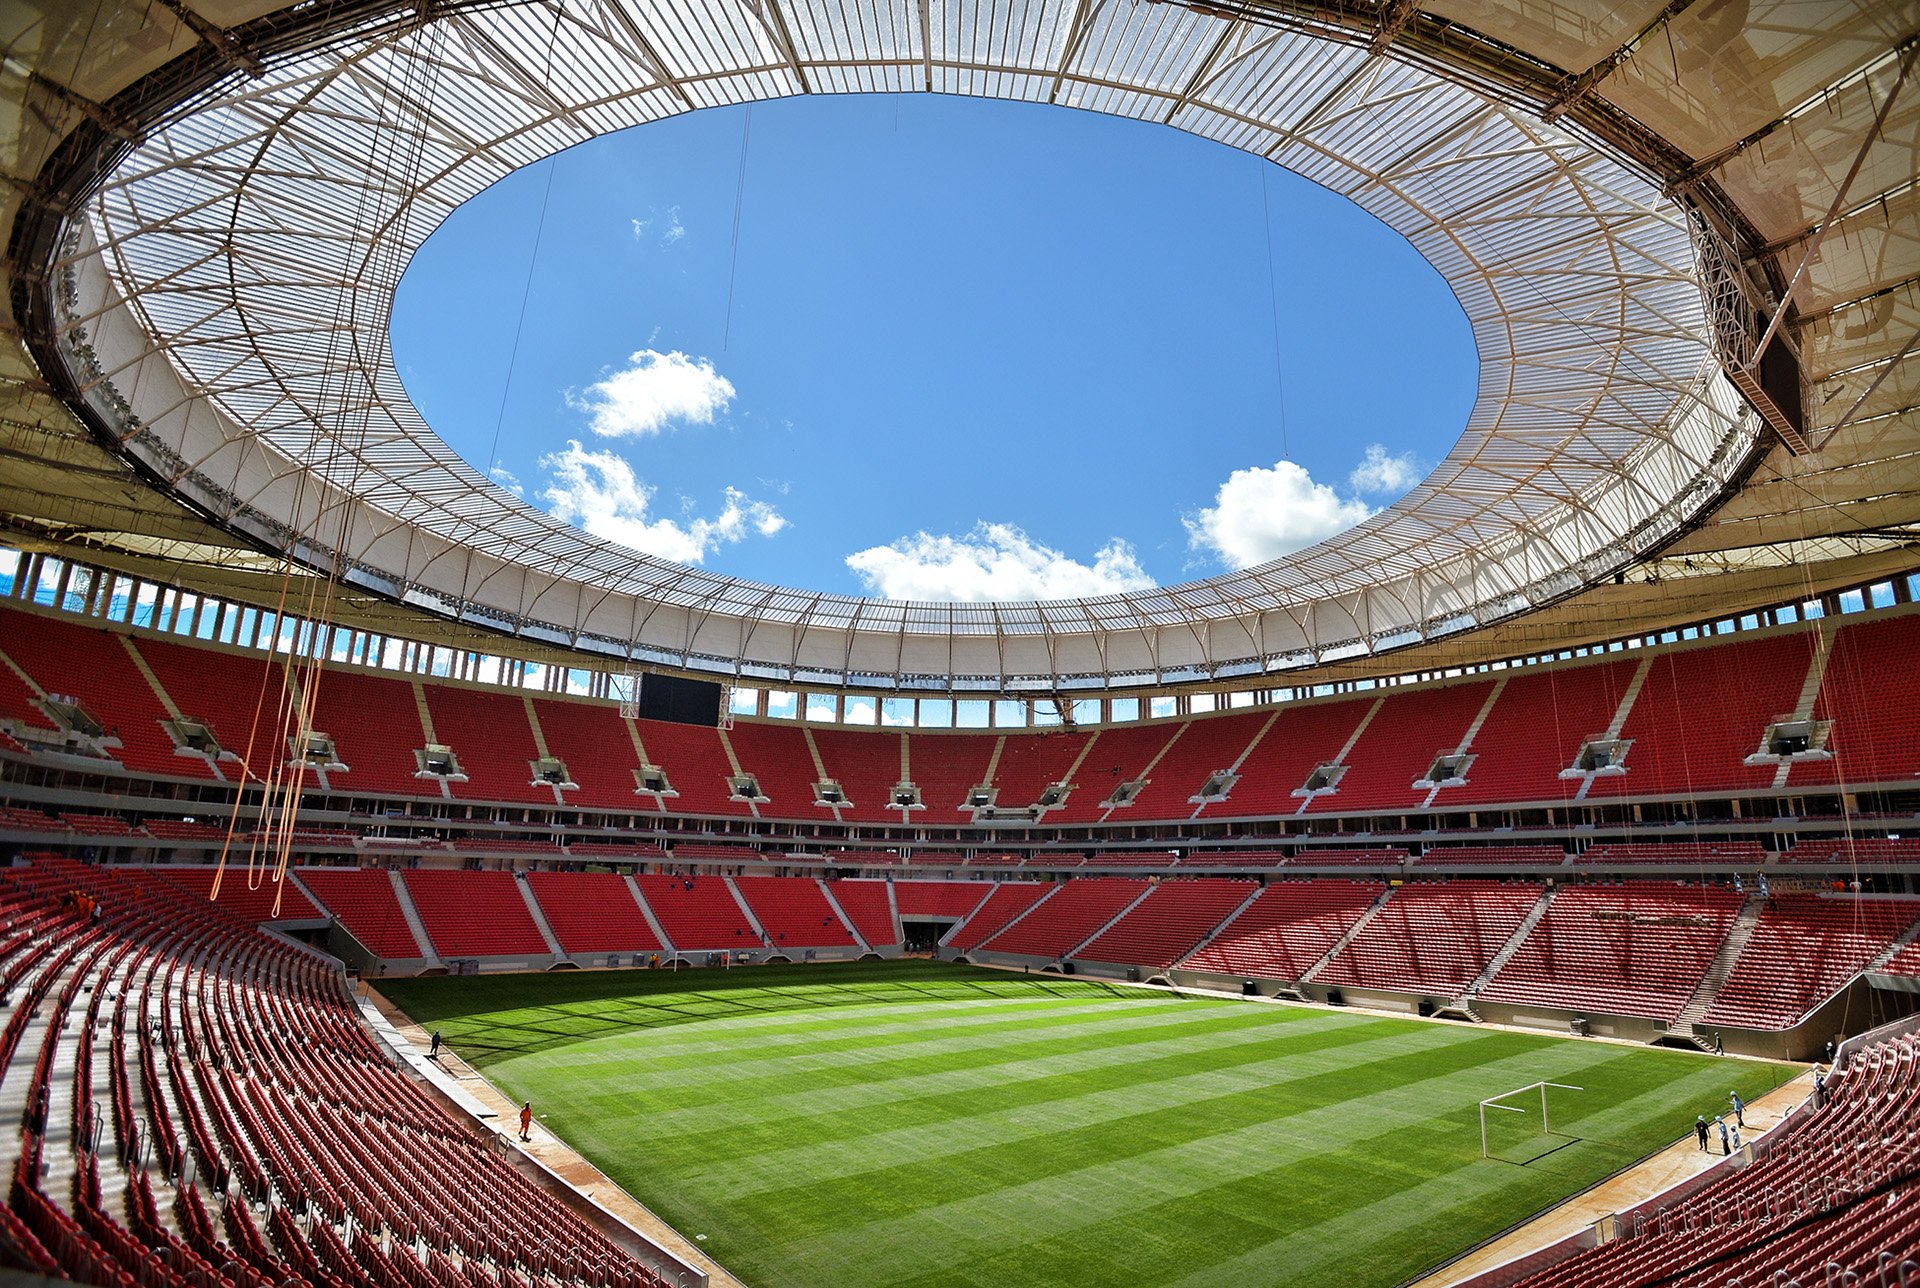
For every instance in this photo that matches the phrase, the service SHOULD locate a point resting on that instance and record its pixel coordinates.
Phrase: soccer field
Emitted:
(921, 1124)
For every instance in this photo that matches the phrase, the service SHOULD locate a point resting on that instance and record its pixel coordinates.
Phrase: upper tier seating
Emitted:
(1711, 854)
(1287, 929)
(474, 914)
(1117, 755)
(868, 906)
(592, 741)
(1856, 850)
(1030, 762)
(1803, 948)
(374, 721)
(240, 696)
(1399, 745)
(1056, 927)
(867, 766)
(1482, 856)
(697, 769)
(92, 666)
(1636, 948)
(1301, 738)
(1433, 938)
(794, 912)
(1315, 857)
(1008, 900)
(698, 914)
(776, 754)
(1206, 745)
(1164, 927)
(946, 766)
(1702, 711)
(1868, 694)
(492, 739)
(1536, 729)
(1235, 859)
(364, 902)
(593, 912)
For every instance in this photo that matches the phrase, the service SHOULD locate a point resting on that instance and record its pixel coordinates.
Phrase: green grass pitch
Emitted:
(914, 1124)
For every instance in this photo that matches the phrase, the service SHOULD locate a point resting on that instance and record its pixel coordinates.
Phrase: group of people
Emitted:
(526, 1109)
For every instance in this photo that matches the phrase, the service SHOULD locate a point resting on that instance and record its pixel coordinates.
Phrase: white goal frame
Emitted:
(1493, 1102)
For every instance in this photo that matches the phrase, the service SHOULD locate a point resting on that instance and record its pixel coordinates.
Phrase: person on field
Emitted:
(433, 1052)
(1700, 1130)
(1739, 1109)
(1726, 1139)
(526, 1122)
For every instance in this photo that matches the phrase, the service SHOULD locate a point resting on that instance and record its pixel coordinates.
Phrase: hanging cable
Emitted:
(739, 199)
(1273, 308)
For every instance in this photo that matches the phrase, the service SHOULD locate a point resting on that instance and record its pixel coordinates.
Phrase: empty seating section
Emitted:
(697, 769)
(592, 741)
(474, 914)
(239, 695)
(1536, 729)
(1803, 948)
(598, 850)
(939, 900)
(1399, 747)
(1868, 694)
(1824, 1200)
(374, 721)
(1715, 854)
(867, 906)
(697, 913)
(251, 896)
(1636, 948)
(1702, 711)
(1309, 857)
(364, 902)
(1117, 755)
(17, 698)
(261, 1095)
(1132, 859)
(1010, 899)
(867, 767)
(1031, 762)
(1235, 859)
(945, 767)
(778, 758)
(593, 912)
(92, 666)
(493, 741)
(1304, 736)
(1167, 924)
(174, 829)
(1292, 924)
(1082, 907)
(794, 912)
(1856, 849)
(1433, 939)
(1481, 856)
(1207, 744)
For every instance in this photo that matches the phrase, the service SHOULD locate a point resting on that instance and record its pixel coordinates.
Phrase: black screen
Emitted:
(667, 697)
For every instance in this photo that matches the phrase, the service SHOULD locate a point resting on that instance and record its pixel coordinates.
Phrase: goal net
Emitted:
(1517, 1126)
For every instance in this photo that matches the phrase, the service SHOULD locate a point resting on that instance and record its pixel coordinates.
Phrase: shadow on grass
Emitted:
(489, 1018)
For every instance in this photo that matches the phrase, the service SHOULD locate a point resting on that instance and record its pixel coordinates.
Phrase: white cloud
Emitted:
(653, 390)
(599, 492)
(994, 561)
(675, 230)
(1260, 514)
(640, 227)
(505, 478)
(1379, 472)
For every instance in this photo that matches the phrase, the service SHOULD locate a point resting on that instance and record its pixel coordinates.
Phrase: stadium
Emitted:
(406, 887)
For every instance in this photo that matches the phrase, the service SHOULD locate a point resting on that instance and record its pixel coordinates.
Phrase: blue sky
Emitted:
(973, 349)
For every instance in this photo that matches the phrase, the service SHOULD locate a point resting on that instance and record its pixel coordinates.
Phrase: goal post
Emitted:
(1493, 1102)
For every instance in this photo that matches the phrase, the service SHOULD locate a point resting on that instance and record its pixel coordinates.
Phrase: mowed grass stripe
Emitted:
(907, 1124)
(1164, 1166)
(892, 1085)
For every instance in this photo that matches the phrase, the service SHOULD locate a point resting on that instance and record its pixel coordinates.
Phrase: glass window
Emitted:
(971, 713)
(1086, 711)
(78, 584)
(49, 582)
(783, 704)
(1045, 712)
(744, 702)
(823, 708)
(1852, 601)
(1009, 714)
(935, 713)
(1882, 594)
(861, 711)
(1162, 707)
(1202, 703)
(9, 569)
(1123, 709)
(896, 712)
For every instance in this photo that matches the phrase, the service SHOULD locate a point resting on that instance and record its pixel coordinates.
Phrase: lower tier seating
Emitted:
(1433, 938)
(1287, 929)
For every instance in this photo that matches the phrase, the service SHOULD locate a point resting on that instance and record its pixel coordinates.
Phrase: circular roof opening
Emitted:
(934, 348)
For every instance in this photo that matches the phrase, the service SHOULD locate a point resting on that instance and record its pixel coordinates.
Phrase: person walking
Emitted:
(1726, 1141)
(1739, 1109)
(1700, 1130)
(526, 1122)
(433, 1052)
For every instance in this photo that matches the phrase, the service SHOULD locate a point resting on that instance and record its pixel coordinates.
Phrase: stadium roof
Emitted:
(213, 202)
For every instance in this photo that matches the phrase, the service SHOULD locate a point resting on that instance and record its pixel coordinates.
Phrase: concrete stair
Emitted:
(845, 920)
(1702, 999)
(1507, 950)
(659, 931)
(1225, 921)
(412, 914)
(1108, 923)
(766, 940)
(539, 915)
